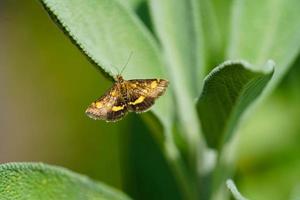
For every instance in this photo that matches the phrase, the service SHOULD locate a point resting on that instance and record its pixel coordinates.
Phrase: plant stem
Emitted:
(223, 169)
(184, 179)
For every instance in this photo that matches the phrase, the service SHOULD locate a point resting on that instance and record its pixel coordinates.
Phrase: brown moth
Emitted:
(136, 95)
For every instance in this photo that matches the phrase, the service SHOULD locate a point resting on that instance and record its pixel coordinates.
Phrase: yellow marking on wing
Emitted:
(117, 108)
(153, 84)
(139, 100)
(113, 93)
(99, 104)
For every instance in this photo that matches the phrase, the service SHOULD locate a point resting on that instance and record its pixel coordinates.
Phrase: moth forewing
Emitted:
(144, 92)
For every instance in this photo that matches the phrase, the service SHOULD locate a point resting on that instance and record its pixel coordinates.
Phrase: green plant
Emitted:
(182, 42)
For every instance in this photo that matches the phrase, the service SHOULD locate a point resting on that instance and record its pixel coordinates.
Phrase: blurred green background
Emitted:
(46, 85)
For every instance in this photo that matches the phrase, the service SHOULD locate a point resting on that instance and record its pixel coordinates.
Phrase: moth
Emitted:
(136, 95)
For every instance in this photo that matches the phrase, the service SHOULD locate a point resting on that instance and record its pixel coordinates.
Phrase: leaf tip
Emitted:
(234, 191)
(269, 67)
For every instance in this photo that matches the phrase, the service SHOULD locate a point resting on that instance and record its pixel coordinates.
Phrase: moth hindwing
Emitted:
(137, 95)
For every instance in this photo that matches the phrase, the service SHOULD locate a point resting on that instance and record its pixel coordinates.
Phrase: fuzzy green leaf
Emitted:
(175, 24)
(265, 29)
(209, 35)
(107, 32)
(175, 28)
(216, 20)
(228, 90)
(133, 3)
(35, 181)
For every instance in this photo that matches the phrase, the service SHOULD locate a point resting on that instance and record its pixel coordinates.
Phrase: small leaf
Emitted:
(228, 90)
(35, 181)
(107, 32)
(234, 191)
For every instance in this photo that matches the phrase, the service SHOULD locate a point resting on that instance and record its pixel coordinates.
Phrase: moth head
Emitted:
(119, 78)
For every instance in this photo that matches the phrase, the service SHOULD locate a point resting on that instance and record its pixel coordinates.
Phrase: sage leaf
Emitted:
(35, 181)
(228, 91)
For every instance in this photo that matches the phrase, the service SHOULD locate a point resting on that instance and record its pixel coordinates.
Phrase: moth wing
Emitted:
(142, 93)
(110, 107)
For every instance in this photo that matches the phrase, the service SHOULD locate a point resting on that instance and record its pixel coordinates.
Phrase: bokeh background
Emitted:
(46, 85)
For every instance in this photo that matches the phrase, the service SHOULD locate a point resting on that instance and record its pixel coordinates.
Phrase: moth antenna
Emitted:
(126, 62)
(114, 70)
